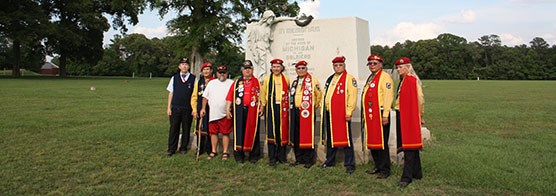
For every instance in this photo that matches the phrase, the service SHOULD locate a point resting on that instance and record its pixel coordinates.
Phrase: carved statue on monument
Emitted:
(261, 36)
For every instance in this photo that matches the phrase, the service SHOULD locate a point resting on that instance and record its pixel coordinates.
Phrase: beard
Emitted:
(222, 78)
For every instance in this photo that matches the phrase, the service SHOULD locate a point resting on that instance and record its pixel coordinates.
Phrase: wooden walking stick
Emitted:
(199, 138)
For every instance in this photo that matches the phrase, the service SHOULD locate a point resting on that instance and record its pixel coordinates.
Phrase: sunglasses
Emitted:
(372, 63)
(299, 68)
(247, 67)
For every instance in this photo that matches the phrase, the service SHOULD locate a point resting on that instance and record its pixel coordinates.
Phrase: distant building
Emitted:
(49, 69)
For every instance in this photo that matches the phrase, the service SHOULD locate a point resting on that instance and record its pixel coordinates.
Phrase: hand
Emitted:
(203, 112)
(261, 111)
(422, 121)
(169, 112)
(194, 114)
(348, 117)
(385, 120)
(228, 114)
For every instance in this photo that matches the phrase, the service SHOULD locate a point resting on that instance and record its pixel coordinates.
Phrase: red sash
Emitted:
(247, 139)
(338, 123)
(306, 115)
(284, 111)
(373, 117)
(410, 120)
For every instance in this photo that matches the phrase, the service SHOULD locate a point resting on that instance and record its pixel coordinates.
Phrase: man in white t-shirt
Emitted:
(215, 95)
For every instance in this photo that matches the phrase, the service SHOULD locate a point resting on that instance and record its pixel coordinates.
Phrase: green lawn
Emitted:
(59, 137)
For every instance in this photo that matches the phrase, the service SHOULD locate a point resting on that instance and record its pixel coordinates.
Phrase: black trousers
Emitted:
(411, 166)
(302, 156)
(381, 158)
(349, 154)
(412, 160)
(205, 144)
(276, 151)
(180, 117)
(255, 154)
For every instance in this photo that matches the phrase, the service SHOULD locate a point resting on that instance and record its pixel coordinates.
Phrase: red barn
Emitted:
(49, 69)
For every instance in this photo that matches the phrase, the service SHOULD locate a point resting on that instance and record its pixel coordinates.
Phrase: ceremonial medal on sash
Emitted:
(372, 85)
(240, 93)
(305, 113)
(253, 100)
(305, 105)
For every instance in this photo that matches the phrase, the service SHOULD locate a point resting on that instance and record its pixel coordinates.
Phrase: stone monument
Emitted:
(317, 42)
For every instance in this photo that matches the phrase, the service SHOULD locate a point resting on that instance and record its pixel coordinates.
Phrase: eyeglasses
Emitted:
(299, 68)
(372, 63)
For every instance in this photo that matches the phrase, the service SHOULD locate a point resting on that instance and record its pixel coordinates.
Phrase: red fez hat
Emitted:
(277, 61)
(302, 62)
(403, 60)
(206, 64)
(339, 59)
(374, 57)
(222, 69)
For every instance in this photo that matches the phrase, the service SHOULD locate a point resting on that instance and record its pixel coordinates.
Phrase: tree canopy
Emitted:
(452, 57)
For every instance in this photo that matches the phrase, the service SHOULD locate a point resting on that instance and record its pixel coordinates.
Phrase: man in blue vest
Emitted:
(179, 109)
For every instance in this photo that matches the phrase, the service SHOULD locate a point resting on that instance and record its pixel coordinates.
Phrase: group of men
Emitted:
(289, 110)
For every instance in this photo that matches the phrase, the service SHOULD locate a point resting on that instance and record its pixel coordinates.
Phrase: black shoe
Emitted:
(308, 165)
(272, 164)
(170, 153)
(403, 184)
(350, 170)
(373, 171)
(294, 164)
(382, 176)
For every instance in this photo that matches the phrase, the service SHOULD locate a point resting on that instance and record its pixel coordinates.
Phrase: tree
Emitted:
(205, 27)
(490, 45)
(79, 26)
(22, 24)
(539, 43)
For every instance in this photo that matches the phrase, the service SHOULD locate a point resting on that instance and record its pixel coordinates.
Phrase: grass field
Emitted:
(59, 137)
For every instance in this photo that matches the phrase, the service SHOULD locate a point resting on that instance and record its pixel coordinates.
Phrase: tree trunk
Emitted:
(195, 60)
(62, 67)
(16, 72)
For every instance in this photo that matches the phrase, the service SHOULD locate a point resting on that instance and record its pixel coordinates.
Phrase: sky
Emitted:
(515, 21)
